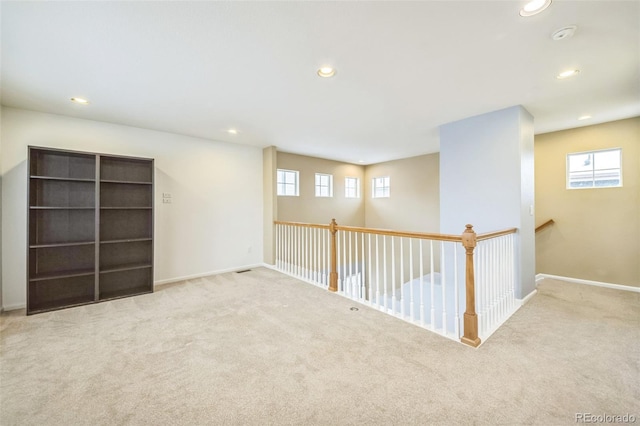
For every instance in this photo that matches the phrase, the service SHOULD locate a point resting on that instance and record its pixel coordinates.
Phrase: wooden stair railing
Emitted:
(545, 225)
(468, 239)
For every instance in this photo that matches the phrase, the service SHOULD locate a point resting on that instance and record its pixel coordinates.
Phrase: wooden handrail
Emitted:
(545, 225)
(407, 234)
(306, 225)
(495, 234)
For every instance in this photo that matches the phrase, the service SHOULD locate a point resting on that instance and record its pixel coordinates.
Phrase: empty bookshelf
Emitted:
(90, 228)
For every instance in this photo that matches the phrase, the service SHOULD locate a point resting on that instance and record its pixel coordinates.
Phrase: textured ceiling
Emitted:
(403, 68)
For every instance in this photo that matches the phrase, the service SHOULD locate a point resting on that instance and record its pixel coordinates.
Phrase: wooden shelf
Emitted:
(126, 208)
(80, 243)
(129, 240)
(126, 182)
(62, 178)
(62, 274)
(60, 208)
(125, 268)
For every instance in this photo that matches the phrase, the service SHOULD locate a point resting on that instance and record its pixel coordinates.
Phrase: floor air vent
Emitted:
(243, 271)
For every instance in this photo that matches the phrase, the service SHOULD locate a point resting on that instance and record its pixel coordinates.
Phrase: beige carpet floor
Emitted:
(262, 348)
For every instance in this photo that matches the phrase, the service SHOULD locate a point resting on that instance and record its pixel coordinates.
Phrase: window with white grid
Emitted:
(288, 182)
(380, 187)
(324, 185)
(594, 169)
(351, 187)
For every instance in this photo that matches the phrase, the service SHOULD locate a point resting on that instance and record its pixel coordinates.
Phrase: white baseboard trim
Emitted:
(527, 297)
(14, 307)
(540, 277)
(205, 274)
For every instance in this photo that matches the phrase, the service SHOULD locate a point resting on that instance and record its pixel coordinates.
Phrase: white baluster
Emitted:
(377, 273)
(363, 268)
(370, 276)
(384, 265)
(503, 278)
(393, 275)
(344, 262)
(494, 272)
(456, 288)
(443, 285)
(422, 312)
(349, 282)
(287, 248)
(325, 251)
(314, 278)
(433, 297)
(412, 312)
(401, 278)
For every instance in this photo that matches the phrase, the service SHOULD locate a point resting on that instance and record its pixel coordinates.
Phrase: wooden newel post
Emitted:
(470, 336)
(333, 275)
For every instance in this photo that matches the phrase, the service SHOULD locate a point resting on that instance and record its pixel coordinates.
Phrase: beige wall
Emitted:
(597, 231)
(311, 209)
(414, 204)
(269, 202)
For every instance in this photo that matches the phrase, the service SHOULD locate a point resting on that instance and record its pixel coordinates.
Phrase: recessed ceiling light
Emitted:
(563, 33)
(326, 72)
(567, 74)
(81, 101)
(360, 161)
(534, 7)
(232, 131)
(584, 117)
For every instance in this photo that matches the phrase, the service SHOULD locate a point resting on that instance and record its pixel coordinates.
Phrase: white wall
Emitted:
(214, 222)
(1, 205)
(487, 180)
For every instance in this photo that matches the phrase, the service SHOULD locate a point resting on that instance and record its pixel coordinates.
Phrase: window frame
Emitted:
(347, 187)
(296, 184)
(320, 186)
(593, 169)
(386, 187)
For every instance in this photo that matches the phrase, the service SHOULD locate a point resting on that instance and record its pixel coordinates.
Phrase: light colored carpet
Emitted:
(264, 348)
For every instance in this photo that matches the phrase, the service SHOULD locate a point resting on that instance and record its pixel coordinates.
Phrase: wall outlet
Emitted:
(166, 195)
(166, 200)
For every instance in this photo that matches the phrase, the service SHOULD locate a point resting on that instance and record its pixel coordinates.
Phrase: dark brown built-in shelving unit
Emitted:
(90, 228)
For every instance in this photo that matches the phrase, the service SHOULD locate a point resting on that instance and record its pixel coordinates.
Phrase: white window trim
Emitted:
(374, 187)
(330, 186)
(297, 183)
(346, 188)
(568, 171)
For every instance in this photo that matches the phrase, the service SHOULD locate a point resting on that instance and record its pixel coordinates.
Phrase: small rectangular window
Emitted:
(288, 182)
(351, 187)
(381, 187)
(594, 169)
(324, 185)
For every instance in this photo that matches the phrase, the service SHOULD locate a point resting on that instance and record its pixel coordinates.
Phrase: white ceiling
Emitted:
(403, 68)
